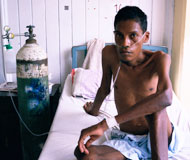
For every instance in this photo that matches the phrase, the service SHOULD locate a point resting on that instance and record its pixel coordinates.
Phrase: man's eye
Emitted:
(118, 35)
(133, 35)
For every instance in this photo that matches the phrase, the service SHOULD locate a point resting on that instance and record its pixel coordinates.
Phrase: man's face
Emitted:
(129, 38)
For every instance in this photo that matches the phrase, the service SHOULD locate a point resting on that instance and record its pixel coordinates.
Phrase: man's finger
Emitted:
(86, 151)
(81, 144)
(81, 141)
(86, 104)
(83, 148)
(90, 141)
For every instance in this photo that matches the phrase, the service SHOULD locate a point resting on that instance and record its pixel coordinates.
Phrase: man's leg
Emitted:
(160, 131)
(101, 152)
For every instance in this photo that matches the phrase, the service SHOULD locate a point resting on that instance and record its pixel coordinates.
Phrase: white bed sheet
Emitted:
(70, 119)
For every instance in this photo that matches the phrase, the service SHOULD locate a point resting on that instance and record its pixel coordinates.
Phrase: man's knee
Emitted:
(78, 154)
(93, 155)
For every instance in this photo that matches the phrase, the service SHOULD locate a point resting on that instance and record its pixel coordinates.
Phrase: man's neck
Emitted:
(137, 62)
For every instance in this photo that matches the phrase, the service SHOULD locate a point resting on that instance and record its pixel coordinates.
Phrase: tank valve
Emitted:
(30, 32)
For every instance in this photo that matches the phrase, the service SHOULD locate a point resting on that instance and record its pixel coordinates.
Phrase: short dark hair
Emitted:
(131, 13)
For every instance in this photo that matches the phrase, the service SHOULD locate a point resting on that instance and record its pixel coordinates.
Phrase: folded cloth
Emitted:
(85, 83)
(93, 59)
(137, 147)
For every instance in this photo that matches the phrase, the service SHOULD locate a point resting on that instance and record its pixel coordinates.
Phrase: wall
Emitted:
(61, 24)
(185, 88)
(180, 51)
(178, 44)
(2, 77)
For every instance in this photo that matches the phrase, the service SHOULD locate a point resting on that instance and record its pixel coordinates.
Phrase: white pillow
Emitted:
(86, 82)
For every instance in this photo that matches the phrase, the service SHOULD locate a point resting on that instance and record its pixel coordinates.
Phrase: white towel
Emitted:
(93, 60)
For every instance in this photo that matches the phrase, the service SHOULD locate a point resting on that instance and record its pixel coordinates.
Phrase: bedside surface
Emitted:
(10, 139)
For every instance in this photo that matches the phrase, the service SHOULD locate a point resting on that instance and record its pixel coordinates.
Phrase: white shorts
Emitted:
(137, 147)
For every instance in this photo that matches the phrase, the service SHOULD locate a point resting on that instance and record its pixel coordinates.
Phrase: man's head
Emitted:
(132, 13)
(130, 33)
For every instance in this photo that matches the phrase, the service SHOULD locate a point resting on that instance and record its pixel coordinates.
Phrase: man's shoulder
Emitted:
(109, 48)
(162, 56)
(157, 55)
(159, 58)
(162, 60)
(109, 54)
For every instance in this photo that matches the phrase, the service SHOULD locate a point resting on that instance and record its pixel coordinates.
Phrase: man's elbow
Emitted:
(167, 97)
(104, 91)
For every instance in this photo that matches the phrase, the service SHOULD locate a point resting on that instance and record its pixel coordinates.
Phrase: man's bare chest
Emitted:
(136, 84)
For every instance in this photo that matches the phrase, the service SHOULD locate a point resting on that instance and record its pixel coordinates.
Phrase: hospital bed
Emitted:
(70, 117)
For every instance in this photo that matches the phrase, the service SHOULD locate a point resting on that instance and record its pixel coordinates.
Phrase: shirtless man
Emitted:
(142, 91)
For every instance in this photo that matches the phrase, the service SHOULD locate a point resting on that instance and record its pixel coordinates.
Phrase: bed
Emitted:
(70, 118)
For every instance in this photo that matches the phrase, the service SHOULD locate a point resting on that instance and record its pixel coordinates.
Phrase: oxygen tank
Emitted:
(33, 95)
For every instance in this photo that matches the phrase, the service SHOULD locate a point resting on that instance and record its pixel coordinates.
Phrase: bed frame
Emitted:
(77, 50)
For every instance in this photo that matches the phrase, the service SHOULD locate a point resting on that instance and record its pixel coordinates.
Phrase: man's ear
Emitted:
(147, 36)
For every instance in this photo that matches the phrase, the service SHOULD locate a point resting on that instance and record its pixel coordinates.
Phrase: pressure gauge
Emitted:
(7, 28)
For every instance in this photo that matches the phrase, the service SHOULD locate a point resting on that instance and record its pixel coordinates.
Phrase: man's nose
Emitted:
(126, 42)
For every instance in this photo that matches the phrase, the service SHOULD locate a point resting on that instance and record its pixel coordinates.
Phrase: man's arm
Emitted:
(104, 90)
(155, 102)
(93, 132)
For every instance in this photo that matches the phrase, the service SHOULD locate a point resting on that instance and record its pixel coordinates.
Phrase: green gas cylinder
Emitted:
(33, 95)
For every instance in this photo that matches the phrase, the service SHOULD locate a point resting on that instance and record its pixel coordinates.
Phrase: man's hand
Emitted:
(88, 107)
(94, 132)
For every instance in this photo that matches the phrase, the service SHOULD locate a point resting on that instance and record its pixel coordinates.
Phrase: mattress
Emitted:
(70, 119)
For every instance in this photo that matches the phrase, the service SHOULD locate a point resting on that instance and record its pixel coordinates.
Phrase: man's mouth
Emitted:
(125, 52)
